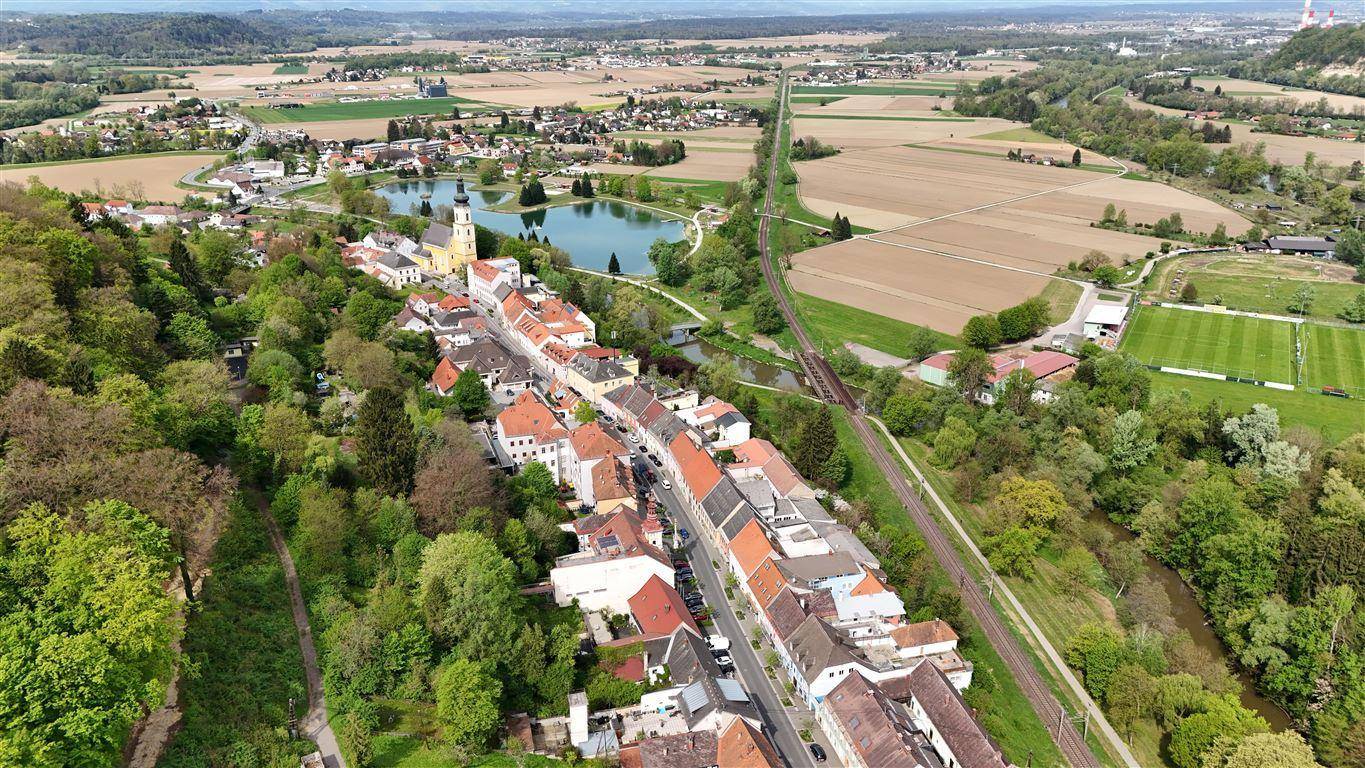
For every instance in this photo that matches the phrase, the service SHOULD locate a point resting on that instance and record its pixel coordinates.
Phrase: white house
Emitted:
(615, 564)
(483, 277)
(1105, 321)
(528, 431)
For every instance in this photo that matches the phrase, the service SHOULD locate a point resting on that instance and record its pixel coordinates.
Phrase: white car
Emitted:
(724, 660)
(667, 485)
(634, 438)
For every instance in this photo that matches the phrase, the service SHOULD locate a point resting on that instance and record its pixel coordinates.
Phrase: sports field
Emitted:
(1334, 357)
(1245, 347)
(356, 110)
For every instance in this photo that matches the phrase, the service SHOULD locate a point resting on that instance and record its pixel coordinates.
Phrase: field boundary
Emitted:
(1221, 310)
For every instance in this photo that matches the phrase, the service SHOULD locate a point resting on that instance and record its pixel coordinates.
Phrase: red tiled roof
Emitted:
(528, 416)
(591, 441)
(699, 471)
(766, 581)
(657, 607)
(923, 633)
(443, 378)
(453, 302)
(751, 547)
(742, 746)
(483, 269)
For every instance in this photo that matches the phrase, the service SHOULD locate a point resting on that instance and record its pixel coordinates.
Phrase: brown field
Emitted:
(618, 169)
(980, 69)
(147, 178)
(863, 134)
(941, 272)
(818, 39)
(1056, 149)
(889, 106)
(1253, 89)
(912, 286)
(370, 128)
(708, 166)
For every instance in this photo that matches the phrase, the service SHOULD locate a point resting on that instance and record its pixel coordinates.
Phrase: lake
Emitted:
(589, 231)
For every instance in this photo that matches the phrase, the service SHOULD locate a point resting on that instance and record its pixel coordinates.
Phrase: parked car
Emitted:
(683, 533)
(724, 660)
(656, 461)
(621, 428)
(817, 752)
(667, 485)
(634, 438)
(681, 563)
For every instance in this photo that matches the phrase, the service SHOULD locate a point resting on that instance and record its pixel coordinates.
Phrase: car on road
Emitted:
(656, 461)
(681, 563)
(724, 659)
(817, 752)
(634, 438)
(683, 533)
(621, 428)
(667, 485)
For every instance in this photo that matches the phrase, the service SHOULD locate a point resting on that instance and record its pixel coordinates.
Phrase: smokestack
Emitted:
(1331, 19)
(1306, 20)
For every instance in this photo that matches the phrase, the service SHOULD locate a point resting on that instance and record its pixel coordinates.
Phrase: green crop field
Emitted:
(1334, 357)
(291, 69)
(876, 90)
(359, 110)
(1232, 345)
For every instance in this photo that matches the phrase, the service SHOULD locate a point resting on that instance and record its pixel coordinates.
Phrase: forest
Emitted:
(1264, 520)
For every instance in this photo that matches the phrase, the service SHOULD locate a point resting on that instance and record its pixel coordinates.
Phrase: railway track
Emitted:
(830, 388)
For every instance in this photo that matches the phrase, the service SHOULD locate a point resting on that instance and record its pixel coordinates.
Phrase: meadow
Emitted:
(356, 110)
(875, 90)
(1261, 283)
(1232, 345)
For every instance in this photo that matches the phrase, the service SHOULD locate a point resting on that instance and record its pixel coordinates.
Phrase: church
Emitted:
(449, 248)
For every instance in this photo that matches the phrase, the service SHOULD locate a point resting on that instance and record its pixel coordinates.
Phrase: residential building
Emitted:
(944, 718)
(591, 447)
(722, 423)
(867, 729)
(615, 564)
(528, 431)
(594, 377)
(658, 609)
(484, 276)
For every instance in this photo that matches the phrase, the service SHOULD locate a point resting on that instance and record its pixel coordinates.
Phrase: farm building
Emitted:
(1105, 320)
(1313, 246)
(1047, 367)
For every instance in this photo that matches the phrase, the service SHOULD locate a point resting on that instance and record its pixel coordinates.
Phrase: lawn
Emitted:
(1232, 345)
(1061, 297)
(1334, 357)
(1337, 418)
(875, 90)
(1021, 134)
(1258, 283)
(291, 69)
(836, 323)
(109, 158)
(358, 110)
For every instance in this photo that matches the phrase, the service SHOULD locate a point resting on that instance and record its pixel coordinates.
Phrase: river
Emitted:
(589, 231)
(702, 351)
(1190, 616)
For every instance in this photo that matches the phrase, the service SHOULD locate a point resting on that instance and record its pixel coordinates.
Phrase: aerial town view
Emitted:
(682, 384)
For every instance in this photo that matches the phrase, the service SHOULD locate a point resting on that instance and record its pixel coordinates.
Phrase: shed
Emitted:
(1105, 320)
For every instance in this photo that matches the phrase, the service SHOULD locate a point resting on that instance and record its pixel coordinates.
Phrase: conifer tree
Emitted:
(815, 443)
(613, 265)
(386, 445)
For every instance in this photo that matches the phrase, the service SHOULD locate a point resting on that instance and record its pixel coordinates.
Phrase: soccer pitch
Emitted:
(1245, 347)
(1334, 357)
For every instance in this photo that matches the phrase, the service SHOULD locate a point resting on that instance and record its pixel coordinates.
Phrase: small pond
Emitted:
(589, 232)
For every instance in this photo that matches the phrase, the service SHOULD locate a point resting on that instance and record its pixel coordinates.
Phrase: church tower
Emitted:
(462, 250)
(451, 248)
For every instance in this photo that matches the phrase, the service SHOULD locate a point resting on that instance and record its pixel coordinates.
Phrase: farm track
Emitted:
(829, 388)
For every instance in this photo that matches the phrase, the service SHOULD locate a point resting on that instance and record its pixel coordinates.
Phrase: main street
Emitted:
(831, 389)
(781, 729)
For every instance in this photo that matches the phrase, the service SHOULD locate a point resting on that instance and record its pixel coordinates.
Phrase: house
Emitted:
(818, 658)
(610, 483)
(484, 276)
(722, 423)
(924, 638)
(1105, 321)
(443, 378)
(867, 729)
(590, 446)
(658, 609)
(395, 270)
(742, 745)
(758, 458)
(500, 370)
(159, 215)
(528, 431)
(594, 377)
(1312, 246)
(945, 719)
(679, 750)
(616, 562)
(451, 247)
(1046, 366)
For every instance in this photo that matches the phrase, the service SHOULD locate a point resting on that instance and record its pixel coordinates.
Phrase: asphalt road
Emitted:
(778, 725)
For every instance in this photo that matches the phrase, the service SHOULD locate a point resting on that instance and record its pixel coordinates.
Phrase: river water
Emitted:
(1190, 616)
(702, 351)
(589, 231)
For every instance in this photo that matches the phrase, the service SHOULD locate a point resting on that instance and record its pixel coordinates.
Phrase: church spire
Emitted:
(460, 197)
